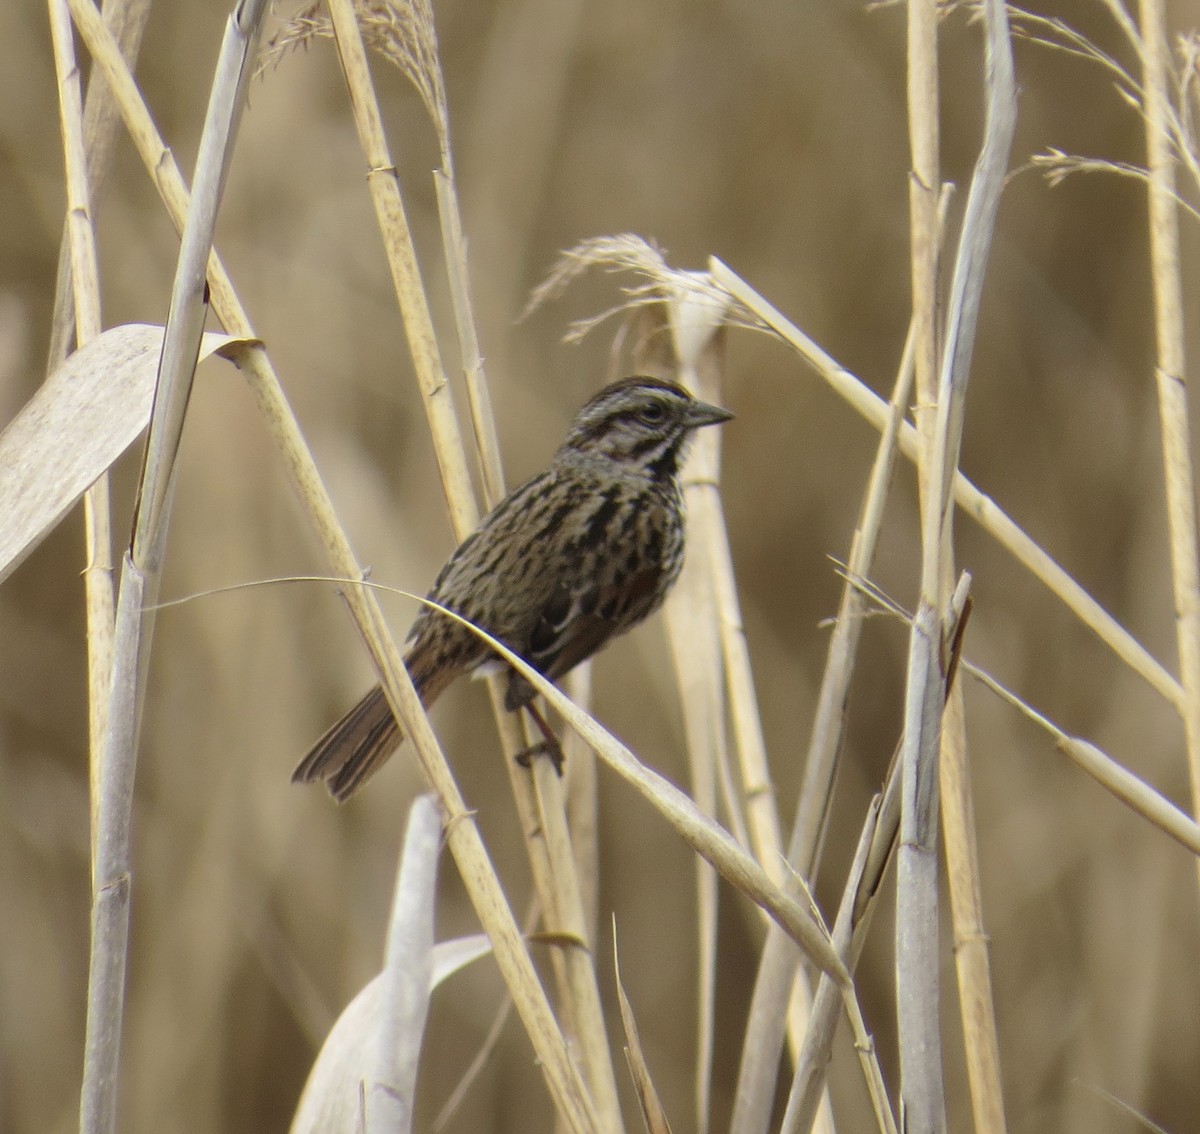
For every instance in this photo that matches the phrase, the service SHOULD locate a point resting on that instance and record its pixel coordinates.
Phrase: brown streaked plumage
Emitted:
(579, 554)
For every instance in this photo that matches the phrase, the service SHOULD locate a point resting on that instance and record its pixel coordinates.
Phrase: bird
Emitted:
(579, 554)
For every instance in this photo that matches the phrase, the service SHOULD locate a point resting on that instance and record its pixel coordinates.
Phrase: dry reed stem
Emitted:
(972, 966)
(560, 891)
(126, 19)
(1171, 378)
(678, 333)
(682, 336)
(406, 274)
(969, 498)
(583, 804)
(922, 1087)
(577, 958)
(924, 190)
(97, 511)
(976, 1008)
(140, 577)
(1142, 798)
(710, 660)
(555, 867)
(406, 36)
(692, 637)
(462, 836)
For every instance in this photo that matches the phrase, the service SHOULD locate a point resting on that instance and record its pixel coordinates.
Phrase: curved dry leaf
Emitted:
(85, 415)
(332, 1099)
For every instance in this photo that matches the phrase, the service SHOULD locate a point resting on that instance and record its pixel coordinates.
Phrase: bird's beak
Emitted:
(701, 413)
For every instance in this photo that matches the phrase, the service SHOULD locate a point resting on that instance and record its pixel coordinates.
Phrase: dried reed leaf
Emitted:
(332, 1101)
(366, 1071)
(799, 917)
(653, 1113)
(85, 415)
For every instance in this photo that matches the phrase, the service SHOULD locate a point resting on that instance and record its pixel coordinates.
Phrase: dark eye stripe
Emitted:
(646, 445)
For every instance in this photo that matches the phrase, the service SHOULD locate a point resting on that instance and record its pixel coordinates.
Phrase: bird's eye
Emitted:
(653, 413)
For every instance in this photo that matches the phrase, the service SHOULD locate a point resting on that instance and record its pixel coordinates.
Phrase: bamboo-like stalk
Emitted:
(690, 614)
(924, 188)
(541, 811)
(406, 274)
(126, 20)
(977, 1008)
(583, 805)
(711, 660)
(140, 574)
(545, 830)
(921, 1089)
(1171, 376)
(483, 424)
(83, 275)
(577, 957)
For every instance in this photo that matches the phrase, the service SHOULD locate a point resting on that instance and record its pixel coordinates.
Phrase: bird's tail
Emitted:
(356, 746)
(353, 748)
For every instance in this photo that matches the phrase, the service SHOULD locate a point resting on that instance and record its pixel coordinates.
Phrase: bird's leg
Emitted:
(548, 746)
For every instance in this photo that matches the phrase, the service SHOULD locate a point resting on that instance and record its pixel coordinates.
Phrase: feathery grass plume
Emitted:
(1179, 105)
(402, 33)
(642, 258)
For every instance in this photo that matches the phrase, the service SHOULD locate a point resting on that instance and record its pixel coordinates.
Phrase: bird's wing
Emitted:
(576, 621)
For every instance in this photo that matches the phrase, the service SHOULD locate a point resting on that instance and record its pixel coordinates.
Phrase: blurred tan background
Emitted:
(773, 135)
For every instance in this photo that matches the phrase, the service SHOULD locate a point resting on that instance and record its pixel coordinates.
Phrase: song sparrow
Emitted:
(579, 554)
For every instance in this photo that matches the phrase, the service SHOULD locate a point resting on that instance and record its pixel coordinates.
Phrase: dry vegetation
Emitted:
(775, 137)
